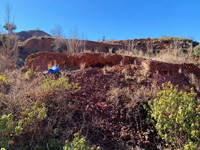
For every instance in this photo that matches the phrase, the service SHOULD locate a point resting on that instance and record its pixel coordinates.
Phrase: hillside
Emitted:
(103, 99)
(166, 48)
(105, 91)
(24, 35)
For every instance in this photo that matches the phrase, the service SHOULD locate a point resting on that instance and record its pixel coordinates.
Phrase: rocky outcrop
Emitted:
(155, 45)
(40, 61)
(187, 72)
(102, 47)
(160, 71)
(34, 45)
(40, 44)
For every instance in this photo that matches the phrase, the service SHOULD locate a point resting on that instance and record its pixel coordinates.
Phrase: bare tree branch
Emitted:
(74, 43)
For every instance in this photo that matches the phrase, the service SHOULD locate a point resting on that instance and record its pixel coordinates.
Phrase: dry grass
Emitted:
(6, 64)
(168, 55)
(173, 56)
(82, 66)
(21, 95)
(106, 69)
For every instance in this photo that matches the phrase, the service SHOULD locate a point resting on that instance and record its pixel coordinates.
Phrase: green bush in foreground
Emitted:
(6, 127)
(78, 144)
(177, 116)
(29, 120)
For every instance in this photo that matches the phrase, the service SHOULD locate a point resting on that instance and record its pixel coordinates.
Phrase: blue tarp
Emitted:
(54, 69)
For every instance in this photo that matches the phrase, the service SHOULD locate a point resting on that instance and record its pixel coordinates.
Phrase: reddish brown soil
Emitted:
(160, 71)
(109, 107)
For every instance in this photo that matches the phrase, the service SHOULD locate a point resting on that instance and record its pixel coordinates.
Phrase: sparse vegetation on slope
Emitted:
(197, 50)
(100, 97)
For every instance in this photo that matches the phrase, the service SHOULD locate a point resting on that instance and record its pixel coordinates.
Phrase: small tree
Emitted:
(59, 40)
(57, 32)
(103, 38)
(9, 25)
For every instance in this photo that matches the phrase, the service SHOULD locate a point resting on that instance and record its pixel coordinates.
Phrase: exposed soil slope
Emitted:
(108, 109)
(160, 71)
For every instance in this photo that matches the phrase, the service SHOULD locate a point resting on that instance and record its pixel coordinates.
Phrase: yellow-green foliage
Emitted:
(177, 116)
(31, 116)
(29, 74)
(59, 84)
(197, 50)
(6, 126)
(78, 144)
(2, 79)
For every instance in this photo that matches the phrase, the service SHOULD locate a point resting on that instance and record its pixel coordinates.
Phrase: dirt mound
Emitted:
(24, 35)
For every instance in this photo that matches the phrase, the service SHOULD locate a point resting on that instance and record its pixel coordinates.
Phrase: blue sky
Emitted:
(114, 19)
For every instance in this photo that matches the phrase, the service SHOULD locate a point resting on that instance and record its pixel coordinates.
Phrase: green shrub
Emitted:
(29, 74)
(27, 121)
(6, 127)
(30, 117)
(78, 144)
(2, 79)
(197, 50)
(59, 84)
(177, 116)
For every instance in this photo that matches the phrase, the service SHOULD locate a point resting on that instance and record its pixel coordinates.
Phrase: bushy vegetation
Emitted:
(47, 111)
(34, 120)
(29, 74)
(2, 79)
(78, 144)
(62, 83)
(47, 115)
(13, 125)
(197, 50)
(177, 117)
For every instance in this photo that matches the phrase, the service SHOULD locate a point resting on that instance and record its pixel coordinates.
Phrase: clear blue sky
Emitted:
(116, 19)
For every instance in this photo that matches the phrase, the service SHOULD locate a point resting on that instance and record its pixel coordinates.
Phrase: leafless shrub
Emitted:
(9, 46)
(57, 31)
(5, 63)
(82, 66)
(74, 43)
(60, 44)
